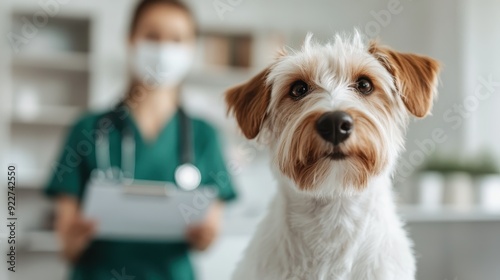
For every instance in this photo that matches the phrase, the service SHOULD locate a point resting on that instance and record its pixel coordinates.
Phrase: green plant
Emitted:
(483, 164)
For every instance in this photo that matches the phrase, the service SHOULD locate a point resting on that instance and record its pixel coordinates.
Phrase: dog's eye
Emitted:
(299, 89)
(364, 85)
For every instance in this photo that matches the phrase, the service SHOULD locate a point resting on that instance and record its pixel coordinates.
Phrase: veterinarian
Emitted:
(162, 40)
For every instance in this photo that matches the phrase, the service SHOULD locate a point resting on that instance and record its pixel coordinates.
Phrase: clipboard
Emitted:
(144, 210)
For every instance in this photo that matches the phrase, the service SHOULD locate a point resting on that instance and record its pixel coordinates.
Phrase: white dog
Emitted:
(334, 119)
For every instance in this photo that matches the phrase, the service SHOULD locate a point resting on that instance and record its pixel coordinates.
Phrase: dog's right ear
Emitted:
(248, 102)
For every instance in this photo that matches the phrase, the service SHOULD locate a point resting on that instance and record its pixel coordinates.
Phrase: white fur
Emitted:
(332, 231)
(355, 237)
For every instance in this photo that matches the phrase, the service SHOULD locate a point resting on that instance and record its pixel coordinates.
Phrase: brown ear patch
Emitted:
(248, 102)
(415, 77)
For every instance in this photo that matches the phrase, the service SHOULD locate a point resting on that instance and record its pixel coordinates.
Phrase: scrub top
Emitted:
(155, 160)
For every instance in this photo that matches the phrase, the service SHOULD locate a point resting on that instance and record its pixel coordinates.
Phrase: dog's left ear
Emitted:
(416, 77)
(248, 102)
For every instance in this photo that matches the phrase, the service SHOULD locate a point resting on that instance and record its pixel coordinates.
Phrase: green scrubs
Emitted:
(155, 160)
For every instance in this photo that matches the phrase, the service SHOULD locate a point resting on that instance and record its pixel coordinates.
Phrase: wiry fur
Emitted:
(333, 219)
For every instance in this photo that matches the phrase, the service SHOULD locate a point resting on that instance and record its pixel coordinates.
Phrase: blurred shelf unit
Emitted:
(32, 180)
(228, 57)
(62, 33)
(219, 76)
(50, 87)
(418, 214)
(226, 49)
(40, 242)
(70, 61)
(48, 115)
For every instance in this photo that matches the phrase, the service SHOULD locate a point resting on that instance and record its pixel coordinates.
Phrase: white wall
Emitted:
(482, 45)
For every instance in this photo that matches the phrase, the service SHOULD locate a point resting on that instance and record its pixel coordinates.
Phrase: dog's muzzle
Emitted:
(335, 127)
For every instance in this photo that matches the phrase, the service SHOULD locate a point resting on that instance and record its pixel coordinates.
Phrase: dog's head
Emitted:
(335, 114)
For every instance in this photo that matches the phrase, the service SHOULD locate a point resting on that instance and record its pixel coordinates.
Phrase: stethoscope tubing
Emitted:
(187, 175)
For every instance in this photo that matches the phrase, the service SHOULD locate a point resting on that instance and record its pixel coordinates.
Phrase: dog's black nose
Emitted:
(335, 127)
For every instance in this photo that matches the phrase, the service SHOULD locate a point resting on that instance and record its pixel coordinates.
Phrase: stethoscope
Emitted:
(187, 176)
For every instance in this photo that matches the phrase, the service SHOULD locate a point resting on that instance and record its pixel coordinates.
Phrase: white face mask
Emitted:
(161, 64)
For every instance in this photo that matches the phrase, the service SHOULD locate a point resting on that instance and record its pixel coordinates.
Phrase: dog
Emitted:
(334, 118)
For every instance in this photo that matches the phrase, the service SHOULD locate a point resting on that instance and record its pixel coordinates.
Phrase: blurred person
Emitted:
(162, 40)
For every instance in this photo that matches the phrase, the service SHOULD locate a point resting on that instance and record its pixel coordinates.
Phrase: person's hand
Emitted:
(201, 236)
(77, 237)
(74, 231)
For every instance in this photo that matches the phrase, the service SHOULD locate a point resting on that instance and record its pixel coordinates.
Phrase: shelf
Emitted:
(75, 62)
(223, 76)
(410, 214)
(48, 115)
(416, 214)
(40, 242)
(70, 12)
(31, 180)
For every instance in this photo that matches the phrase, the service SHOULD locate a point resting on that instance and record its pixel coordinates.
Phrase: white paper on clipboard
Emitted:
(144, 211)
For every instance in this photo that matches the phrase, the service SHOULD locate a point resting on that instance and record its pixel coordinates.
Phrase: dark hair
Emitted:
(144, 4)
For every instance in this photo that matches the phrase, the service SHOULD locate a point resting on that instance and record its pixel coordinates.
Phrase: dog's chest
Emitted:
(350, 239)
(337, 254)
(324, 248)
